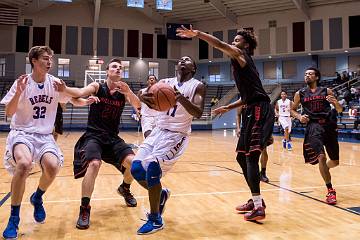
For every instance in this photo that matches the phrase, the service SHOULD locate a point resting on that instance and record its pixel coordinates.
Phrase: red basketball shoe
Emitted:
(331, 197)
(249, 206)
(255, 215)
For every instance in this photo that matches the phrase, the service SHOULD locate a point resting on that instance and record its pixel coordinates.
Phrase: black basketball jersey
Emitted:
(105, 115)
(248, 81)
(315, 104)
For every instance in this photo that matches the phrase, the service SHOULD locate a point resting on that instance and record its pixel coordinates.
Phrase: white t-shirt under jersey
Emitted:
(37, 106)
(284, 107)
(177, 118)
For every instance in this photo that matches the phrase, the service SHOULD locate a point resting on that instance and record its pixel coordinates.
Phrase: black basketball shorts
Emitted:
(318, 136)
(257, 127)
(110, 149)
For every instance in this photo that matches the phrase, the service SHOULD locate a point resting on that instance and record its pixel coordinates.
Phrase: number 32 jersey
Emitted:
(177, 119)
(37, 106)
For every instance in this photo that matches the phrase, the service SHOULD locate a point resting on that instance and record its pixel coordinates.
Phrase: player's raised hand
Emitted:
(21, 83)
(186, 33)
(122, 87)
(92, 99)
(148, 99)
(331, 99)
(59, 85)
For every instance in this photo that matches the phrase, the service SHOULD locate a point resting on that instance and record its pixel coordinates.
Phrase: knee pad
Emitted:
(153, 174)
(137, 171)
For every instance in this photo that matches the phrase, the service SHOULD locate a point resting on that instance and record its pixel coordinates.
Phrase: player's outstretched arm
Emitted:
(230, 50)
(196, 106)
(80, 102)
(133, 100)
(75, 92)
(131, 97)
(226, 108)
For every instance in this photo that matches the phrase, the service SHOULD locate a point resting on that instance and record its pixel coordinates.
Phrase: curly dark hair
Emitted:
(250, 38)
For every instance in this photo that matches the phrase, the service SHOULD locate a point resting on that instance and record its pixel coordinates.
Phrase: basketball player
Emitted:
(147, 114)
(168, 141)
(282, 111)
(32, 102)
(101, 140)
(259, 120)
(264, 155)
(321, 128)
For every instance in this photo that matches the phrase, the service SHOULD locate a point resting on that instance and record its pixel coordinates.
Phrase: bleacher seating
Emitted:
(5, 85)
(75, 116)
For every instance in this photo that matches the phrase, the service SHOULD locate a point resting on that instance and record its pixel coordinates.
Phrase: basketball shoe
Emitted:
(255, 214)
(289, 146)
(284, 143)
(83, 221)
(153, 224)
(39, 211)
(11, 229)
(249, 206)
(128, 197)
(331, 197)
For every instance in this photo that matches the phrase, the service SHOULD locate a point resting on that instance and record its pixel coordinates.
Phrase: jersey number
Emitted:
(39, 112)
(172, 112)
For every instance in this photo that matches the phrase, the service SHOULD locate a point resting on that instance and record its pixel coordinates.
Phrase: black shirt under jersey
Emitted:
(315, 104)
(105, 116)
(248, 81)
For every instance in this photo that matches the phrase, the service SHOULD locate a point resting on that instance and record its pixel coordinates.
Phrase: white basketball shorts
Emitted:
(285, 122)
(38, 144)
(162, 146)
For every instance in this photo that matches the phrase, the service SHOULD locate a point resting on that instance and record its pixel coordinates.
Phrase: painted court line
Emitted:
(195, 194)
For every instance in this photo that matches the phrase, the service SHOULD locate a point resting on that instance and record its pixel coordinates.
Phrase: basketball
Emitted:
(164, 96)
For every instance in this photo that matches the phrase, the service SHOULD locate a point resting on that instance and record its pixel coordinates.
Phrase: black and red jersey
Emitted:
(105, 115)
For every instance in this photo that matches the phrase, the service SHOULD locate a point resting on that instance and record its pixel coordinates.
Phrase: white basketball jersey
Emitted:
(37, 106)
(145, 110)
(284, 107)
(177, 118)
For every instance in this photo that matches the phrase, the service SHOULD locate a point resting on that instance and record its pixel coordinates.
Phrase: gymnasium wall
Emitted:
(116, 25)
(278, 42)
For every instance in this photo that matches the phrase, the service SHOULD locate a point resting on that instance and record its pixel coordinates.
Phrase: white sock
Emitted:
(257, 201)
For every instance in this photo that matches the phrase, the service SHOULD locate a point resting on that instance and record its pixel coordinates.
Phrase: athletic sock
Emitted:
(263, 171)
(257, 201)
(38, 194)
(329, 185)
(15, 210)
(85, 201)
